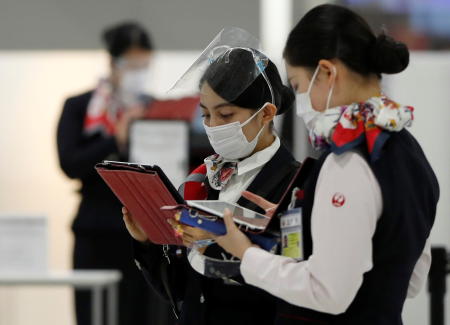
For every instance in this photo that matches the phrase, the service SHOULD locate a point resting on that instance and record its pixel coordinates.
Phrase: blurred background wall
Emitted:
(50, 49)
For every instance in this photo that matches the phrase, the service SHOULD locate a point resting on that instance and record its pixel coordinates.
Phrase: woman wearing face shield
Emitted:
(369, 205)
(239, 104)
(94, 126)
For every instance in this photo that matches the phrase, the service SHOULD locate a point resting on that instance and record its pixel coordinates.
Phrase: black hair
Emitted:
(335, 32)
(239, 66)
(120, 38)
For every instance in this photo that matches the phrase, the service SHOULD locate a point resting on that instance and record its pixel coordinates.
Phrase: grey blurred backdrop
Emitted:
(174, 24)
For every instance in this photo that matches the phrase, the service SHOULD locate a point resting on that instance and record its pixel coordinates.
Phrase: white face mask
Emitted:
(305, 109)
(229, 140)
(134, 82)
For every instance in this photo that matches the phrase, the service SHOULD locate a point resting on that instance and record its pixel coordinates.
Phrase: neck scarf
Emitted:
(345, 127)
(219, 170)
(103, 110)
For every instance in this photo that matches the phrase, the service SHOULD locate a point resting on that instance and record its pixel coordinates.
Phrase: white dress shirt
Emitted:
(247, 169)
(342, 234)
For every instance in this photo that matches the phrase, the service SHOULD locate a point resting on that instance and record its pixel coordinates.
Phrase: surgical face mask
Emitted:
(305, 108)
(134, 82)
(229, 140)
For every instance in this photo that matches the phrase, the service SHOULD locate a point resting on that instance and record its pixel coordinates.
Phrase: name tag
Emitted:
(292, 234)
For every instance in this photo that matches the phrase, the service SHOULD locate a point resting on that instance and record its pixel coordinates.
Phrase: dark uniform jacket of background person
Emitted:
(410, 193)
(101, 238)
(207, 301)
(99, 211)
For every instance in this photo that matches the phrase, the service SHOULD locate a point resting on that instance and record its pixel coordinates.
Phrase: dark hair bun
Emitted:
(335, 32)
(120, 38)
(389, 56)
(287, 100)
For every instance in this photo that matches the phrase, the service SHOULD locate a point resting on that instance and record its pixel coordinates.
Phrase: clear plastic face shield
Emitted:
(228, 66)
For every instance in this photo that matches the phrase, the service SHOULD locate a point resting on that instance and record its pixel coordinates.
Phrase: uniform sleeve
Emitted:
(346, 208)
(77, 157)
(420, 272)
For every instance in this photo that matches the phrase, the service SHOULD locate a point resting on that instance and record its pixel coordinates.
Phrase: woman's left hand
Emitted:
(234, 241)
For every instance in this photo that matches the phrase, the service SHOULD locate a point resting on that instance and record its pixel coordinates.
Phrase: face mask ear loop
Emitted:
(313, 79)
(331, 90)
(256, 113)
(259, 133)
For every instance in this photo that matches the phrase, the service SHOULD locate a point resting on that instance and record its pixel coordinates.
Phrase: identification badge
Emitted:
(291, 234)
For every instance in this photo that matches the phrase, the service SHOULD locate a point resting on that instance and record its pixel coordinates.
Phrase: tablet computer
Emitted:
(144, 189)
(241, 215)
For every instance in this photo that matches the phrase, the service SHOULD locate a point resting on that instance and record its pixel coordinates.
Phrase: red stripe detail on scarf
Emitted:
(196, 190)
(343, 136)
(102, 120)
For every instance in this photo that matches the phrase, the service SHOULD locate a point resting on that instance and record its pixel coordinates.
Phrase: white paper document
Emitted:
(162, 143)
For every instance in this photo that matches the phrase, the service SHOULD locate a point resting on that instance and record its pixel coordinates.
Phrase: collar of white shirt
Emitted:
(259, 158)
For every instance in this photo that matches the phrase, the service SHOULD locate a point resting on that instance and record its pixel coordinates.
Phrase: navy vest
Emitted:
(410, 193)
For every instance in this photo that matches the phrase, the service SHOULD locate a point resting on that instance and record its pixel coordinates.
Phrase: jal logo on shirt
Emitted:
(338, 200)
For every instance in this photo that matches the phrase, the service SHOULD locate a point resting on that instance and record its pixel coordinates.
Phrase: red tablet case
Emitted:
(143, 193)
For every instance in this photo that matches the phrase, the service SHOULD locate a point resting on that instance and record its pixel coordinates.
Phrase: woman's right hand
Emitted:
(133, 228)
